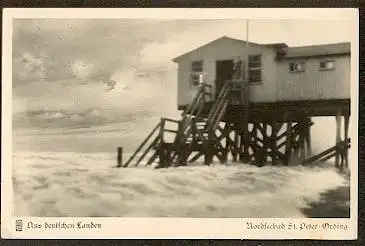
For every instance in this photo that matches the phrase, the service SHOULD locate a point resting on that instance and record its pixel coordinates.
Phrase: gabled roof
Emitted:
(289, 52)
(319, 50)
(273, 45)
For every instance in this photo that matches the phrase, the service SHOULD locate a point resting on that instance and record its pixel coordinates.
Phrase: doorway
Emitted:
(224, 72)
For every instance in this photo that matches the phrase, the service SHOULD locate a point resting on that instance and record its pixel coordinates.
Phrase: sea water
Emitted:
(71, 172)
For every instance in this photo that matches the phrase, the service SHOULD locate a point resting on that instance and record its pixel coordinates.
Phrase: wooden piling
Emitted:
(194, 131)
(288, 143)
(338, 137)
(301, 143)
(225, 136)
(208, 158)
(273, 143)
(346, 135)
(120, 157)
(236, 144)
(308, 137)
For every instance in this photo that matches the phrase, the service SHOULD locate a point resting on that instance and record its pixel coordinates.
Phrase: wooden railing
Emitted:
(158, 136)
(196, 106)
(186, 126)
(143, 144)
(219, 108)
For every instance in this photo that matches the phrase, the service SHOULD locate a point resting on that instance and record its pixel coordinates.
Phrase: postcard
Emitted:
(180, 123)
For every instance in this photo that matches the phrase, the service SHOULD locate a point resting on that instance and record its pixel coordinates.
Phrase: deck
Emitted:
(277, 110)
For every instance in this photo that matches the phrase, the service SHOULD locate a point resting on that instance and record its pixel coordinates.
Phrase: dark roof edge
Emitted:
(278, 46)
(316, 45)
(317, 55)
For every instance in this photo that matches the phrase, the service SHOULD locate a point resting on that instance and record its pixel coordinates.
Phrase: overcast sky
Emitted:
(67, 64)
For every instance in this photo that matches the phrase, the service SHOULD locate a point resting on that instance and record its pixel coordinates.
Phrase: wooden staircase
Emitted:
(195, 132)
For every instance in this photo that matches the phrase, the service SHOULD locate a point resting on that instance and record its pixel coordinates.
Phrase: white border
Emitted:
(172, 227)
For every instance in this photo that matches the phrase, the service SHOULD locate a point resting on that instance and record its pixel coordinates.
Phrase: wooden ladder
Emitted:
(155, 142)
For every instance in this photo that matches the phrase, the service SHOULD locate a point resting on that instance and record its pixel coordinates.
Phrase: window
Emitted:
(296, 67)
(254, 61)
(326, 65)
(254, 68)
(196, 73)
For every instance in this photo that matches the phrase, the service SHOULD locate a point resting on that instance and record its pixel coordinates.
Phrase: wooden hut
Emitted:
(254, 102)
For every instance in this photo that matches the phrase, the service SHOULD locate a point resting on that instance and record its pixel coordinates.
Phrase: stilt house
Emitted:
(254, 102)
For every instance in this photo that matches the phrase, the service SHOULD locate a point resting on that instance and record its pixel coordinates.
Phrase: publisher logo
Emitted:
(19, 225)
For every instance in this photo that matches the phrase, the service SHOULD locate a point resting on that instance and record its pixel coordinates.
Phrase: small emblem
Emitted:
(19, 225)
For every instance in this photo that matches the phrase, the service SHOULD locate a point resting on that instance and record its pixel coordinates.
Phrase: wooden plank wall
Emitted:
(314, 84)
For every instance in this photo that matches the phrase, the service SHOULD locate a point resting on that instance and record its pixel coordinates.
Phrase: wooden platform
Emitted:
(233, 128)
(277, 110)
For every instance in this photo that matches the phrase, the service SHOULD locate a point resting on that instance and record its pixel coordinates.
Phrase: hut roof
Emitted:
(289, 52)
(319, 50)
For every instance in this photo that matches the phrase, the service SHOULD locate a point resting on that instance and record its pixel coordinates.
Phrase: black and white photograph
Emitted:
(182, 117)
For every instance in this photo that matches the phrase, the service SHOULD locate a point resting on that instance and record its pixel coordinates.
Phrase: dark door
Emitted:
(224, 72)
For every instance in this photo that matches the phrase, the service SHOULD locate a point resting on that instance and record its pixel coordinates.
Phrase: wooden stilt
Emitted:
(162, 161)
(258, 149)
(265, 142)
(295, 145)
(193, 128)
(274, 132)
(236, 144)
(308, 137)
(302, 141)
(227, 145)
(346, 135)
(242, 143)
(209, 149)
(288, 145)
(338, 136)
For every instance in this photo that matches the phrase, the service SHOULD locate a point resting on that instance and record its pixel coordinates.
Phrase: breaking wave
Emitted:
(74, 184)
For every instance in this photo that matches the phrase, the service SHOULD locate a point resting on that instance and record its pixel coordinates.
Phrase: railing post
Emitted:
(162, 127)
(180, 127)
(163, 151)
(193, 128)
(120, 157)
